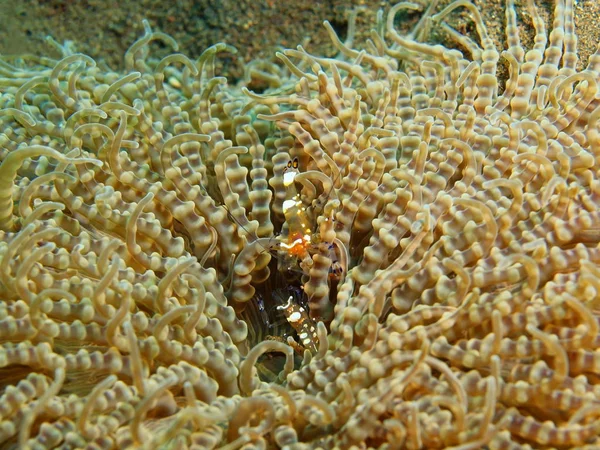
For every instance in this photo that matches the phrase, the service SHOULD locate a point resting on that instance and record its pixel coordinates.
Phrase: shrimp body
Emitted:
(298, 318)
(301, 242)
(299, 232)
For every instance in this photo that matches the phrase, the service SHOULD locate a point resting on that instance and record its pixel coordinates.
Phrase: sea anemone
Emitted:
(386, 249)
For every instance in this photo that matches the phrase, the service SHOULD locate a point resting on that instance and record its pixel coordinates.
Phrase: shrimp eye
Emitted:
(289, 164)
(294, 163)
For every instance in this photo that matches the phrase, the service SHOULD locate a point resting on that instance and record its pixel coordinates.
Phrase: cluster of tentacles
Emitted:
(383, 250)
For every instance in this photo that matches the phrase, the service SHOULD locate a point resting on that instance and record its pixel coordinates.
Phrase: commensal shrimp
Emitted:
(322, 259)
(297, 317)
(294, 252)
(281, 314)
(296, 218)
(300, 239)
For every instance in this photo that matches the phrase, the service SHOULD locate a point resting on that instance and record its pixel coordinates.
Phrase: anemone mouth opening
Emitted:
(266, 319)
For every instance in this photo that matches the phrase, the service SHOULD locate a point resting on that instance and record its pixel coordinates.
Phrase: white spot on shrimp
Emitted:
(288, 178)
(295, 317)
(287, 204)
